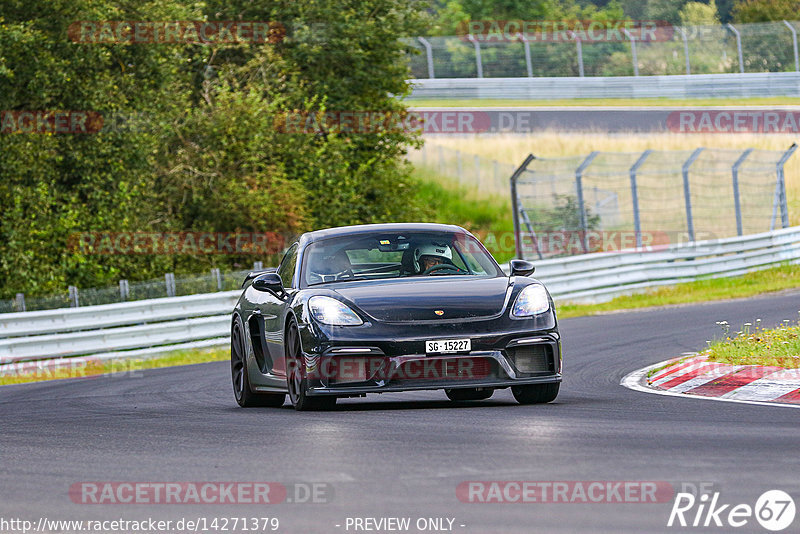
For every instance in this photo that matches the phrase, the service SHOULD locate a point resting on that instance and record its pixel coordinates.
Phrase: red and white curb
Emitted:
(695, 376)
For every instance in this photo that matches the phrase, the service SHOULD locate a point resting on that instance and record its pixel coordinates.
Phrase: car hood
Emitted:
(416, 299)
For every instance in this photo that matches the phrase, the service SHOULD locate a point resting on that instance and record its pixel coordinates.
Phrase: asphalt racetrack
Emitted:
(403, 455)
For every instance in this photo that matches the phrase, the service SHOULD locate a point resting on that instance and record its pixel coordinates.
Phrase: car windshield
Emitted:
(396, 255)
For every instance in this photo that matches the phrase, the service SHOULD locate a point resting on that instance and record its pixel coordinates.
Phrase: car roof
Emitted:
(328, 233)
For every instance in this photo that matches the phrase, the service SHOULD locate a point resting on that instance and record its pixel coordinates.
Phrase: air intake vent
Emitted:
(532, 359)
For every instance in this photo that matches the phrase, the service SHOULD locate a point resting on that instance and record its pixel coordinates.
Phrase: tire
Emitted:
(245, 396)
(536, 394)
(296, 381)
(468, 394)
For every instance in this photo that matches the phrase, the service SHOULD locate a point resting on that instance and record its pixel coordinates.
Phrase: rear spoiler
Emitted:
(253, 274)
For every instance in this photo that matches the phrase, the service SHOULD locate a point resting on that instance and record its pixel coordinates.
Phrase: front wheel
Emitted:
(536, 394)
(469, 394)
(296, 380)
(245, 396)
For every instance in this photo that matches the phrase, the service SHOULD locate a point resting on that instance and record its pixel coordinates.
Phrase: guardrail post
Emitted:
(738, 46)
(685, 49)
(215, 275)
(19, 302)
(515, 203)
(169, 281)
(478, 60)
(794, 46)
(429, 54)
(781, 189)
(687, 193)
(527, 45)
(633, 52)
(735, 177)
(124, 290)
(581, 206)
(637, 225)
(73, 297)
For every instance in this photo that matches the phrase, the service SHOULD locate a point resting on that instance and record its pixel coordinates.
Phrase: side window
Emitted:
(286, 270)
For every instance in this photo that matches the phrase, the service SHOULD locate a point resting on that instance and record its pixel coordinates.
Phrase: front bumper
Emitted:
(348, 369)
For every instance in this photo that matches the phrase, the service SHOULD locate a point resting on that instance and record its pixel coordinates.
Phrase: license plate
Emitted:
(441, 346)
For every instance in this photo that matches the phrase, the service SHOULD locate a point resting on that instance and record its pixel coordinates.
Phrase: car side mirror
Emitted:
(521, 268)
(268, 282)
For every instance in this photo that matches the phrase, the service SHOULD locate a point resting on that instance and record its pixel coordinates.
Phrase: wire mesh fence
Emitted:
(169, 286)
(754, 47)
(613, 200)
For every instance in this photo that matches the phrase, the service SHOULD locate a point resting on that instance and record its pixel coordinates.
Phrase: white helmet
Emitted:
(440, 250)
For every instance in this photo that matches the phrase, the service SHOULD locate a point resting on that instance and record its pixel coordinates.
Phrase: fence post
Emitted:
(169, 282)
(515, 203)
(429, 54)
(478, 61)
(738, 46)
(781, 187)
(124, 290)
(687, 193)
(527, 45)
(633, 51)
(794, 46)
(736, 200)
(637, 225)
(685, 49)
(579, 47)
(20, 302)
(579, 188)
(73, 297)
(215, 275)
(258, 265)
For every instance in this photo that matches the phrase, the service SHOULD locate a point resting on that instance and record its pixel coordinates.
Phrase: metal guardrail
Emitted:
(602, 276)
(119, 314)
(737, 85)
(597, 276)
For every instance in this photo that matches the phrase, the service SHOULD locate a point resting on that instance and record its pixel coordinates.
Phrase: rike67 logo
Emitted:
(774, 510)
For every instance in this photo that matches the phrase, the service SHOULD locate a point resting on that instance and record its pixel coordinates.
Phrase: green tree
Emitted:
(765, 10)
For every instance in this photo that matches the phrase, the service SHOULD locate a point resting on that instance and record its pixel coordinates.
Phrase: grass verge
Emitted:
(631, 102)
(754, 345)
(755, 283)
(107, 368)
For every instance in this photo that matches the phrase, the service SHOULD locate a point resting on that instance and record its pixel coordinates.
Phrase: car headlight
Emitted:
(531, 301)
(332, 312)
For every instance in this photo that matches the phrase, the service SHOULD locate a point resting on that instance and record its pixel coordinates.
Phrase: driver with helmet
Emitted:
(431, 254)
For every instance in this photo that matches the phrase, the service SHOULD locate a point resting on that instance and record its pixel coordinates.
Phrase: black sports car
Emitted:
(392, 307)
